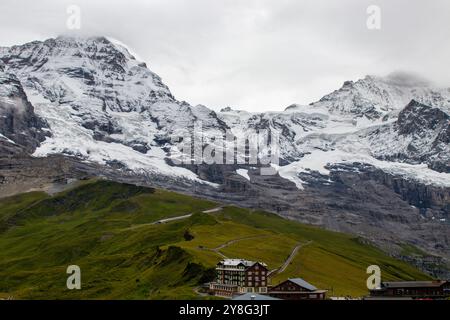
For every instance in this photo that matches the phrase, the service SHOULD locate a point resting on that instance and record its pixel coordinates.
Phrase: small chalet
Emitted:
(438, 289)
(238, 276)
(297, 289)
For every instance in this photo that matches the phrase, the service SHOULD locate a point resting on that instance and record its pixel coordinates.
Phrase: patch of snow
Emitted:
(70, 137)
(318, 160)
(6, 138)
(122, 46)
(243, 173)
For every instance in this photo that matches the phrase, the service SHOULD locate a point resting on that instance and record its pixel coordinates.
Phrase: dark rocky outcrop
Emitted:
(18, 122)
(428, 198)
(426, 133)
(417, 119)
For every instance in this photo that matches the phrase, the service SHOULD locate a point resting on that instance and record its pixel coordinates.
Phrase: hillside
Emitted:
(109, 230)
(369, 159)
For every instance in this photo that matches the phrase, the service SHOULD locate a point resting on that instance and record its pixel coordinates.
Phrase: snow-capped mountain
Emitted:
(370, 158)
(376, 97)
(401, 121)
(103, 105)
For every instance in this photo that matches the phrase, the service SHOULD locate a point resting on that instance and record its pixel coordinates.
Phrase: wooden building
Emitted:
(296, 289)
(413, 289)
(237, 276)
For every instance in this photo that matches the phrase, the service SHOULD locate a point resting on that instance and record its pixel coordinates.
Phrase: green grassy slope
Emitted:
(106, 228)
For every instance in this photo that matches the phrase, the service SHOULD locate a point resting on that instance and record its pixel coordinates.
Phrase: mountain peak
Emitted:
(95, 41)
(95, 72)
(400, 79)
(79, 38)
(374, 96)
(95, 48)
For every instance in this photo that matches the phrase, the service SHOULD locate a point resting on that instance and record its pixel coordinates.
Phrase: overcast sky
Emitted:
(253, 54)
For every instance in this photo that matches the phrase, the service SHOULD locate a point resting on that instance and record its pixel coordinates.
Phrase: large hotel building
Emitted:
(237, 276)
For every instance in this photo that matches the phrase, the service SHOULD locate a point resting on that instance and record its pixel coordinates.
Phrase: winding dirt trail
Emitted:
(230, 242)
(161, 221)
(289, 259)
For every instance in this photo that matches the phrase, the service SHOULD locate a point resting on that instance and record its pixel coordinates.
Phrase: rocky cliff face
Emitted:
(18, 122)
(430, 131)
(421, 134)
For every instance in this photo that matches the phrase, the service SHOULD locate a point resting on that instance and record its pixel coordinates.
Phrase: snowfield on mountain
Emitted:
(103, 105)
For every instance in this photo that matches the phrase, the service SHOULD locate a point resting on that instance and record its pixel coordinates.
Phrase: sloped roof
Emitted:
(412, 284)
(236, 262)
(302, 283)
(254, 296)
